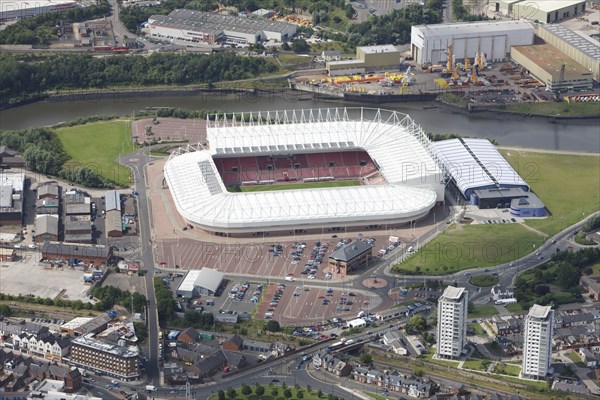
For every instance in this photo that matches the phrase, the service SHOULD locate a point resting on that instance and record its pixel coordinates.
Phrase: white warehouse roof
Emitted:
(393, 141)
(477, 164)
(188, 283)
(471, 28)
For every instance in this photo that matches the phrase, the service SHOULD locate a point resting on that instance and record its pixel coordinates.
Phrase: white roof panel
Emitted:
(463, 28)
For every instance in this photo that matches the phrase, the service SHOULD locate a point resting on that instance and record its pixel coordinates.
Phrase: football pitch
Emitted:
(298, 185)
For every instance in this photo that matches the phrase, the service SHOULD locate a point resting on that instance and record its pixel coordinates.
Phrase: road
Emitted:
(136, 163)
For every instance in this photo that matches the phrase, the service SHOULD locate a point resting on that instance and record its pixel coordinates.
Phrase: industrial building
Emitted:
(537, 342)
(452, 322)
(552, 67)
(21, 9)
(493, 39)
(368, 59)
(46, 228)
(10, 158)
(547, 11)
(200, 282)
(200, 26)
(11, 198)
(115, 360)
(584, 49)
(86, 253)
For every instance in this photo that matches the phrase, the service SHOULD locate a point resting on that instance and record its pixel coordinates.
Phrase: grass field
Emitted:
(576, 176)
(596, 269)
(563, 109)
(97, 145)
(482, 312)
(476, 364)
(471, 246)
(289, 60)
(484, 280)
(288, 186)
(271, 393)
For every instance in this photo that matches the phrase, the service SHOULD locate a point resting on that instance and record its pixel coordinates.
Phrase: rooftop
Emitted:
(462, 28)
(209, 278)
(583, 43)
(537, 311)
(551, 60)
(214, 23)
(350, 251)
(14, 179)
(453, 293)
(115, 349)
(384, 48)
(74, 250)
(551, 5)
(113, 200)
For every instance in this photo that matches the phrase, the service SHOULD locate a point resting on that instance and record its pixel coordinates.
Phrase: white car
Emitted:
(32, 246)
(17, 246)
(311, 277)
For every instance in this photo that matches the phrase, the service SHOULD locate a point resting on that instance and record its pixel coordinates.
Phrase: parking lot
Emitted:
(15, 279)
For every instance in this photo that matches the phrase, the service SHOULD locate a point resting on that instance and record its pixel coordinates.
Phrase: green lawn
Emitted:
(97, 145)
(514, 308)
(471, 246)
(573, 356)
(507, 369)
(479, 329)
(484, 280)
(596, 269)
(288, 60)
(563, 109)
(475, 364)
(482, 312)
(288, 186)
(272, 392)
(568, 185)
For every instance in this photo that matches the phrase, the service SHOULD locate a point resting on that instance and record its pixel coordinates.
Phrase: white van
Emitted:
(289, 278)
(410, 249)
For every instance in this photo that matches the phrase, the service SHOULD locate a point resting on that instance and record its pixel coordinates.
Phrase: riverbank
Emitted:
(266, 89)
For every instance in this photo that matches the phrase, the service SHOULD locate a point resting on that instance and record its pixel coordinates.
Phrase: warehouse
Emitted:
(547, 11)
(581, 48)
(21, 9)
(552, 67)
(75, 253)
(11, 198)
(200, 26)
(368, 59)
(200, 282)
(429, 43)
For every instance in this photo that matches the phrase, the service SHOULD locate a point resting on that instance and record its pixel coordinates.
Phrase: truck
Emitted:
(349, 341)
(150, 388)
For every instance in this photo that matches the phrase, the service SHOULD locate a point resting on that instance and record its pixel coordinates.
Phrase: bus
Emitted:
(501, 302)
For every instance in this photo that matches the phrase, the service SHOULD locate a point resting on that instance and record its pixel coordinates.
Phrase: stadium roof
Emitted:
(477, 164)
(397, 145)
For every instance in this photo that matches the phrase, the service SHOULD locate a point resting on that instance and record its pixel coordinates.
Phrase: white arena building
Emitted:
(429, 43)
(403, 185)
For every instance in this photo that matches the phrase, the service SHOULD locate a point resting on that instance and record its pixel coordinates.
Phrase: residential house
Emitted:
(591, 283)
(234, 343)
(331, 55)
(48, 346)
(500, 292)
(188, 336)
(590, 359)
(9, 158)
(506, 325)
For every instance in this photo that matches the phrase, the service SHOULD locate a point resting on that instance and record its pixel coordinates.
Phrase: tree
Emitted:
(5, 310)
(416, 324)
(287, 393)
(259, 390)
(273, 326)
(366, 358)
(300, 394)
(231, 393)
(246, 390)
(221, 395)
(285, 46)
(274, 392)
(568, 276)
(320, 393)
(300, 46)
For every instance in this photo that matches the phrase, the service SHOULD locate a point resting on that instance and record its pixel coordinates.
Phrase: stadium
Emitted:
(306, 171)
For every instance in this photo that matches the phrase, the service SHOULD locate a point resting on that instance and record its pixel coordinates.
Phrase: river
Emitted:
(506, 130)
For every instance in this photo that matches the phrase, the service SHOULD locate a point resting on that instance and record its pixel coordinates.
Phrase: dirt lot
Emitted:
(133, 283)
(27, 276)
